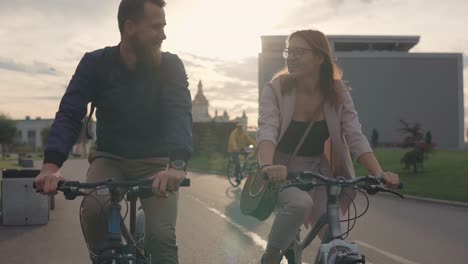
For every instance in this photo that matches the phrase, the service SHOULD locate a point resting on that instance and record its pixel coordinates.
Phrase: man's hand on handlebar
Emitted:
(48, 178)
(167, 179)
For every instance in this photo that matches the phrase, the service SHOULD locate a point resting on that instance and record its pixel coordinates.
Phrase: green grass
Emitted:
(8, 164)
(214, 164)
(445, 175)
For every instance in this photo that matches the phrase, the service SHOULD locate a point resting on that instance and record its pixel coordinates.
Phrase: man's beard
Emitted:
(146, 56)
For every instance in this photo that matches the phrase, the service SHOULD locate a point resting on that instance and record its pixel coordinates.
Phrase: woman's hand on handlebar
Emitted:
(392, 180)
(276, 173)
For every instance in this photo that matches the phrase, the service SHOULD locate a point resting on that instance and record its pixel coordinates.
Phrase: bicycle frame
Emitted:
(117, 229)
(332, 238)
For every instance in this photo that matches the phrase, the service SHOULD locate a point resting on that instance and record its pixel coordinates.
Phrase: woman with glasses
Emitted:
(309, 89)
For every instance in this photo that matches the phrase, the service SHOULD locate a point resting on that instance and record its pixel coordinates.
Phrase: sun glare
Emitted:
(227, 29)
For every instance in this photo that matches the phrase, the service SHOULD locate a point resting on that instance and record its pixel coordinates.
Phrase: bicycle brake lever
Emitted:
(393, 192)
(373, 189)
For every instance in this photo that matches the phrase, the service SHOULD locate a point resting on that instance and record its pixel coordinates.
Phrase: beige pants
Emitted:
(160, 213)
(295, 205)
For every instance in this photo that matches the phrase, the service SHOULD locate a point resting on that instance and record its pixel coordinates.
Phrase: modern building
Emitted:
(389, 83)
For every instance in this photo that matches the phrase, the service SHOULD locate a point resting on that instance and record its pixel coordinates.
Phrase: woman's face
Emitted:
(301, 59)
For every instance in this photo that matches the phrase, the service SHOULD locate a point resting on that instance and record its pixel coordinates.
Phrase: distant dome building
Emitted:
(200, 106)
(200, 111)
(243, 119)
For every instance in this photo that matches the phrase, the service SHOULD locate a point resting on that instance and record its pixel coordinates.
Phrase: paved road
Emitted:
(211, 229)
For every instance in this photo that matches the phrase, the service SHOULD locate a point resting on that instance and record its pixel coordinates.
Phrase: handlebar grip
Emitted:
(380, 178)
(400, 185)
(185, 183)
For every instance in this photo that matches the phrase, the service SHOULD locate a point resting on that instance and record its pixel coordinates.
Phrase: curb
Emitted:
(430, 200)
(407, 197)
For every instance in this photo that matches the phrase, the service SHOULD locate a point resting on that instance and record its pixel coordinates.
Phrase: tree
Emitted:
(375, 138)
(7, 132)
(83, 139)
(421, 145)
(428, 137)
(45, 135)
(413, 133)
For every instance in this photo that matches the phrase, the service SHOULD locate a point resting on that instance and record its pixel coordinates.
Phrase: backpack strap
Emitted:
(102, 76)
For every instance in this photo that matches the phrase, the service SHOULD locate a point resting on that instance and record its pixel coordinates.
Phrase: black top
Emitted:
(313, 144)
(141, 113)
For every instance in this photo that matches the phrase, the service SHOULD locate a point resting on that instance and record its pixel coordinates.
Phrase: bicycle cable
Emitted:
(354, 219)
(80, 213)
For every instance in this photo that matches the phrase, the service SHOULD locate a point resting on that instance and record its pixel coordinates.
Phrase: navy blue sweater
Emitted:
(141, 113)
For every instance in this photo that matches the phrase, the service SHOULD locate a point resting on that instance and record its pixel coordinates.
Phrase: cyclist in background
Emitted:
(238, 140)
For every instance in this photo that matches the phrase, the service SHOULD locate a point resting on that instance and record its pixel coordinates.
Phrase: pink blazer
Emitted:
(346, 138)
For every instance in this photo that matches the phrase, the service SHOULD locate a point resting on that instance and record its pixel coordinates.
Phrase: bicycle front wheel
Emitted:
(231, 175)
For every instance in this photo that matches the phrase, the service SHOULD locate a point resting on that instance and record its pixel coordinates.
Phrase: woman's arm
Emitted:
(266, 151)
(370, 163)
(268, 125)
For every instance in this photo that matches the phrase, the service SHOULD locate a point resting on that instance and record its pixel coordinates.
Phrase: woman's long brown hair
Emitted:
(330, 73)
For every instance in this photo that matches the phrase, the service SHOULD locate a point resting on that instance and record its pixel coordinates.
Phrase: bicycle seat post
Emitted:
(333, 192)
(114, 222)
(132, 197)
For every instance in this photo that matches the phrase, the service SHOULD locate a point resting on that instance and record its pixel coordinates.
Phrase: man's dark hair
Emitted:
(134, 9)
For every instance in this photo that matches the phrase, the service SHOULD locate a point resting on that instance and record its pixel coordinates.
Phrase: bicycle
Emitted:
(114, 250)
(247, 162)
(333, 248)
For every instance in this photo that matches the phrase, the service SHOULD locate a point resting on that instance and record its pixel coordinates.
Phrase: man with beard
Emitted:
(144, 125)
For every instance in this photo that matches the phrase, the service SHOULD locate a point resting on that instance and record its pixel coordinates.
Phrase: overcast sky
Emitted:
(41, 42)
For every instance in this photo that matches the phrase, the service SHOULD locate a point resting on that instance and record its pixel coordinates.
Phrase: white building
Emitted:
(29, 130)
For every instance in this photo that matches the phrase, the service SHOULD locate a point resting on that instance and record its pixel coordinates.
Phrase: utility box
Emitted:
(21, 204)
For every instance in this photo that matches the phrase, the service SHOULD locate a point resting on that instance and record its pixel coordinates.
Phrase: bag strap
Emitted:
(102, 74)
(309, 127)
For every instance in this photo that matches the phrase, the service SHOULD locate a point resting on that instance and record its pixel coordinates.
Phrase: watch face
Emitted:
(178, 164)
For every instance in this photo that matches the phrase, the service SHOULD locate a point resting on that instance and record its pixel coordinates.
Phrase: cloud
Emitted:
(35, 68)
(64, 8)
(245, 70)
(337, 3)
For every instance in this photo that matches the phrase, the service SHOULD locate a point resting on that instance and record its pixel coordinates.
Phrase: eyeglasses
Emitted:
(297, 52)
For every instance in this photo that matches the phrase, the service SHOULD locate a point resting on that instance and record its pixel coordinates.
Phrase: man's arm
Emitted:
(67, 125)
(177, 110)
(177, 117)
(73, 107)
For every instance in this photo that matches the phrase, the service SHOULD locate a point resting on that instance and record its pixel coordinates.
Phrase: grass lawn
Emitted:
(6, 164)
(445, 175)
(214, 164)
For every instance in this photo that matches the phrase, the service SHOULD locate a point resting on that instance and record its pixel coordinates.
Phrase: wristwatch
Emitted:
(178, 165)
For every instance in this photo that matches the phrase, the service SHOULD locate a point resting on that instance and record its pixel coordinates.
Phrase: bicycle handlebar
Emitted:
(145, 183)
(308, 180)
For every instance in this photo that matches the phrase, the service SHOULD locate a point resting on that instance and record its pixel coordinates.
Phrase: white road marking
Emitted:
(387, 254)
(258, 240)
